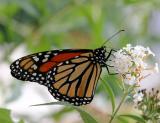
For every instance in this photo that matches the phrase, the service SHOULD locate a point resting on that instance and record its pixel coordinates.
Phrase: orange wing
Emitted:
(35, 66)
(70, 75)
(74, 80)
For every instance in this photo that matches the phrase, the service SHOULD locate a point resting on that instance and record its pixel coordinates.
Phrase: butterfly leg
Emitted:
(106, 66)
(110, 53)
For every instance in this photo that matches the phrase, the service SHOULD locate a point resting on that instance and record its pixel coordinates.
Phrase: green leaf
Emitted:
(21, 121)
(134, 117)
(5, 116)
(58, 115)
(29, 8)
(122, 120)
(87, 118)
(110, 93)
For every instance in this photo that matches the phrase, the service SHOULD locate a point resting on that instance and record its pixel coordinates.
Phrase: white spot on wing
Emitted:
(60, 64)
(67, 62)
(46, 56)
(55, 54)
(44, 60)
(34, 74)
(17, 62)
(49, 52)
(36, 58)
(34, 67)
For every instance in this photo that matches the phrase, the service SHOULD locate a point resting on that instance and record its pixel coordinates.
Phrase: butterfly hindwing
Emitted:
(74, 80)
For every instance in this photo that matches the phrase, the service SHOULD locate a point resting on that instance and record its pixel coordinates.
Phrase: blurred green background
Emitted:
(28, 26)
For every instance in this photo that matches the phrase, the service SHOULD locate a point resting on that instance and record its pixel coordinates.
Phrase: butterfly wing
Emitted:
(70, 75)
(35, 66)
(74, 80)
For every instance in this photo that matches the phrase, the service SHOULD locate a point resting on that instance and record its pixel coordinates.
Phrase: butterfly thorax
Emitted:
(99, 56)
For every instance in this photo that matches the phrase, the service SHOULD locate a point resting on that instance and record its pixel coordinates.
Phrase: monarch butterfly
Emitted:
(71, 75)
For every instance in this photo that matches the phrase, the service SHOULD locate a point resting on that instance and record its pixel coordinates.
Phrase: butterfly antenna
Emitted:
(113, 36)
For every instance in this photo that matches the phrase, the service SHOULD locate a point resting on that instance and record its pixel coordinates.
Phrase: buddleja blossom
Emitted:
(129, 62)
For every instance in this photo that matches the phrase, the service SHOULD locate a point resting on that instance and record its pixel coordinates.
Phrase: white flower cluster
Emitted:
(138, 97)
(130, 63)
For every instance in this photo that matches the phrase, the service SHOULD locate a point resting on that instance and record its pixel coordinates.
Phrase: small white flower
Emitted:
(129, 80)
(121, 62)
(138, 97)
(130, 63)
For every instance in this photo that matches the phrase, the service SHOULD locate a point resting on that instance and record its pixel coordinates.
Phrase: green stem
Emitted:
(117, 109)
(130, 89)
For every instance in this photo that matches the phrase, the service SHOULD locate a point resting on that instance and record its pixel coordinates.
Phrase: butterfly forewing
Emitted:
(31, 67)
(35, 66)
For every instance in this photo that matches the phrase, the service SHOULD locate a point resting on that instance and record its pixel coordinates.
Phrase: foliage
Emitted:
(87, 118)
(5, 116)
